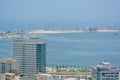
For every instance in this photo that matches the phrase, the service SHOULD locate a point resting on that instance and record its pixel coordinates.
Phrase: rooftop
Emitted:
(4, 60)
(33, 39)
(105, 66)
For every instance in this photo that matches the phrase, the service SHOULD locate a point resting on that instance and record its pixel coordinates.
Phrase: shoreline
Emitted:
(12, 34)
(66, 31)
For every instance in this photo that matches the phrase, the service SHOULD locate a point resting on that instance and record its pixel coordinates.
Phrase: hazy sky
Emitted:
(60, 11)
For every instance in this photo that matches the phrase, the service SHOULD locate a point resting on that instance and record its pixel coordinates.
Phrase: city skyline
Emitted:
(78, 34)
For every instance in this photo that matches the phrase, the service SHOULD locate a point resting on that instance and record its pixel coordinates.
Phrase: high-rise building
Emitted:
(7, 65)
(105, 71)
(30, 54)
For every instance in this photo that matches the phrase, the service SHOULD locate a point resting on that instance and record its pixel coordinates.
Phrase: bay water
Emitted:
(87, 49)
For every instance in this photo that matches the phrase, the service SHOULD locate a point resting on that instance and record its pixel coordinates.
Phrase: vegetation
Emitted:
(68, 69)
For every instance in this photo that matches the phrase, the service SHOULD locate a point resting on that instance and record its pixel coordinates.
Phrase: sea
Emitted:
(85, 49)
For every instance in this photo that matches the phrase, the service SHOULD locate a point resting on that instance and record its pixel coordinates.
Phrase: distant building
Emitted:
(7, 65)
(30, 54)
(105, 71)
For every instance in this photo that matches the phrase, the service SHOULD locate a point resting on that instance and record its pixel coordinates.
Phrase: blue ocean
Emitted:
(86, 49)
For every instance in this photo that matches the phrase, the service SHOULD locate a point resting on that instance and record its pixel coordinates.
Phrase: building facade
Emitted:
(30, 54)
(105, 71)
(41, 76)
(9, 76)
(7, 65)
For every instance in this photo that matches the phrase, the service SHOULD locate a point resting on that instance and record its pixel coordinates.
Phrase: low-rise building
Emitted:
(42, 76)
(7, 65)
(9, 76)
(105, 71)
(2, 76)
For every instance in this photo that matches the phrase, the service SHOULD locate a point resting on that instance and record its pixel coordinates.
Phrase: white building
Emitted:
(9, 76)
(7, 65)
(105, 71)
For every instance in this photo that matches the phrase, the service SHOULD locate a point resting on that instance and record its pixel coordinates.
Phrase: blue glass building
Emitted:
(30, 55)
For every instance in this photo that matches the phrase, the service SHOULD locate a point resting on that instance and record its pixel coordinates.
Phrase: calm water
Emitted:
(75, 48)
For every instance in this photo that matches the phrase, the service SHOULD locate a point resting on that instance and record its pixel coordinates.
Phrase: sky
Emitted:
(87, 12)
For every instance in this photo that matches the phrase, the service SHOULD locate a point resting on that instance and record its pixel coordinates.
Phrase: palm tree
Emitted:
(57, 68)
(53, 65)
(74, 66)
(78, 66)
